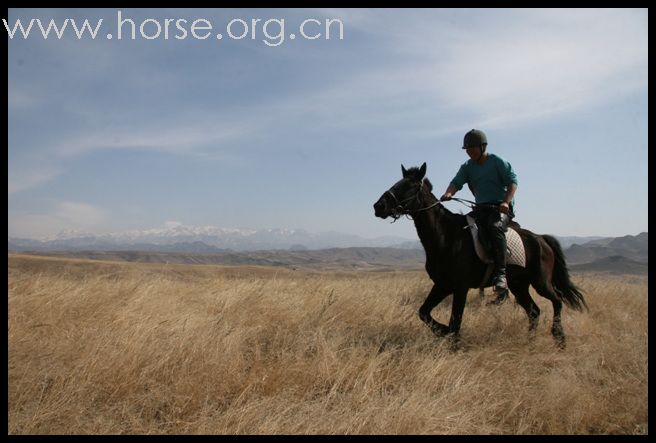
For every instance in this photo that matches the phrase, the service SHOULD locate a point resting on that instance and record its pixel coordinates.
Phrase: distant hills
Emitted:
(567, 241)
(627, 253)
(298, 248)
(176, 237)
(615, 264)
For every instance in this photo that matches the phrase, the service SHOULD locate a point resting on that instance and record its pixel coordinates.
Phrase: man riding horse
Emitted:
(493, 182)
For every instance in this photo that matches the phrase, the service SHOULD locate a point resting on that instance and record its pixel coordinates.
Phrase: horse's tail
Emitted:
(565, 289)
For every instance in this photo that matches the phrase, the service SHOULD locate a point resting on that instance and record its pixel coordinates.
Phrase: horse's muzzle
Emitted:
(380, 208)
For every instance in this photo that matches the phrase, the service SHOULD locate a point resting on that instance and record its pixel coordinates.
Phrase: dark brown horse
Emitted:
(454, 267)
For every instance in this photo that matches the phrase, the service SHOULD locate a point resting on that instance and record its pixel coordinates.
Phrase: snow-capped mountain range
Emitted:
(175, 237)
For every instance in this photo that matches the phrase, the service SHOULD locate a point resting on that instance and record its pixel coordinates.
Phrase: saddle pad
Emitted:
(515, 254)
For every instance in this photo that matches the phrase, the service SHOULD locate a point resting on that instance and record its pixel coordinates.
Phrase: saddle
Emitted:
(515, 253)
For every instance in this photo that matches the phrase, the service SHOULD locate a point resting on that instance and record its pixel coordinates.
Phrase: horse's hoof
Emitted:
(560, 339)
(454, 342)
(439, 330)
(502, 295)
(497, 301)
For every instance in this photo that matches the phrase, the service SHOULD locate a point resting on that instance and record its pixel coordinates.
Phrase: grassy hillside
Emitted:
(337, 258)
(103, 347)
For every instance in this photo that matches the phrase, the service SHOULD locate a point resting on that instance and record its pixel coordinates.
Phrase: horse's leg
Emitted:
(557, 327)
(547, 291)
(542, 281)
(435, 296)
(518, 285)
(457, 308)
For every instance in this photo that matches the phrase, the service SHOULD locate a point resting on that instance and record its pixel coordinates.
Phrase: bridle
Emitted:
(402, 208)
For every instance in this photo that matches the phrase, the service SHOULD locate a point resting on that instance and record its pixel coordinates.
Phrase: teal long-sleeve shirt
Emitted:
(489, 181)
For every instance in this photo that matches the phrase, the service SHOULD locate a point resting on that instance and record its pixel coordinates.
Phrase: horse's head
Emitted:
(405, 196)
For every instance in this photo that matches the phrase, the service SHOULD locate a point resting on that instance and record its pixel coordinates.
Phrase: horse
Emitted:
(454, 267)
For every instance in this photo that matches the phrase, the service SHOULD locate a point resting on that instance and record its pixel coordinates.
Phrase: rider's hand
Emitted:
(504, 207)
(445, 197)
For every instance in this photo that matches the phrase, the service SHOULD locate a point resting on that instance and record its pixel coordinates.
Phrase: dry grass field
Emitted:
(124, 348)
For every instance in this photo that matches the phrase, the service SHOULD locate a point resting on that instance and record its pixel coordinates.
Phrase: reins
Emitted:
(472, 204)
(401, 210)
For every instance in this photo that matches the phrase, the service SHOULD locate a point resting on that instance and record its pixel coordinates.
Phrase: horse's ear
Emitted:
(422, 171)
(403, 171)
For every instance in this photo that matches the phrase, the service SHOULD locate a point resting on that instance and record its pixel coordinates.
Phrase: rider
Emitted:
(493, 183)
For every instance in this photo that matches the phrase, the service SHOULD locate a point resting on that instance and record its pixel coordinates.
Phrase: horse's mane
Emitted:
(455, 217)
(415, 173)
(428, 185)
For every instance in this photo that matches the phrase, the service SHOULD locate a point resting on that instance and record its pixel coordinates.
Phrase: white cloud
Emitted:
(521, 66)
(525, 66)
(545, 66)
(30, 177)
(66, 215)
(172, 224)
(80, 214)
(183, 136)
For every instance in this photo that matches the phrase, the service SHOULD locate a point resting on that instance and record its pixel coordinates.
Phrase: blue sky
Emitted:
(107, 135)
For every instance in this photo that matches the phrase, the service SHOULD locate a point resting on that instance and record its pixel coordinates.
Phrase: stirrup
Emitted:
(500, 283)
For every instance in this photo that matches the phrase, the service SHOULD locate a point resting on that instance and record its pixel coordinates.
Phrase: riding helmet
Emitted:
(474, 138)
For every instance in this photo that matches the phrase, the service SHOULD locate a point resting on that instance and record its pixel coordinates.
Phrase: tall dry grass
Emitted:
(124, 348)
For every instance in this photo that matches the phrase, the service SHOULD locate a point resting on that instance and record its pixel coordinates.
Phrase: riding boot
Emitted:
(498, 241)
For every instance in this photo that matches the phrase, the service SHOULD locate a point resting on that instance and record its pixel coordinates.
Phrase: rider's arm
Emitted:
(450, 191)
(510, 193)
(456, 184)
(507, 200)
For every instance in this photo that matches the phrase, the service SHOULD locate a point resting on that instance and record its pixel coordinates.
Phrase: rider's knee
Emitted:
(498, 226)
